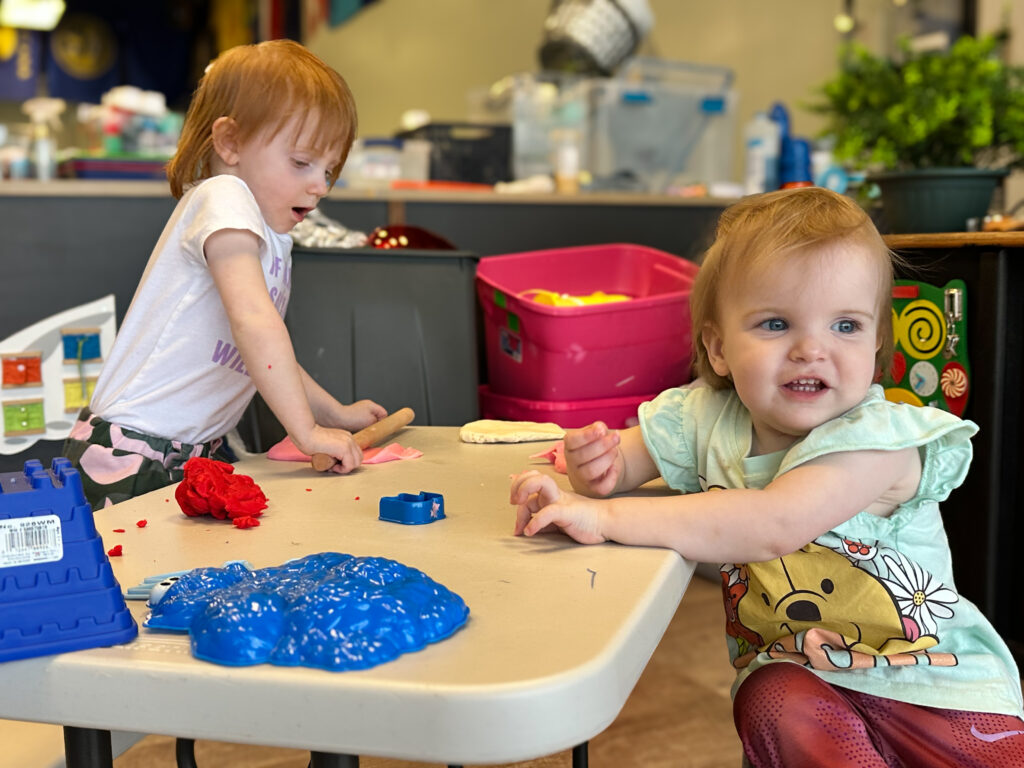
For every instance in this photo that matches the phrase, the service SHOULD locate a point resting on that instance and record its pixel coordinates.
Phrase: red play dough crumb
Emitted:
(245, 522)
(114, 551)
(357, 498)
(142, 523)
(211, 488)
(119, 530)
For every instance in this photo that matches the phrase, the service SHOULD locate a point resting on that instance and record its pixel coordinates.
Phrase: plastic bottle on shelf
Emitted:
(780, 115)
(795, 163)
(565, 148)
(827, 172)
(42, 112)
(762, 139)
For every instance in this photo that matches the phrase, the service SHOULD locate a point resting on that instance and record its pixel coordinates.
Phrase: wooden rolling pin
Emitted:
(365, 438)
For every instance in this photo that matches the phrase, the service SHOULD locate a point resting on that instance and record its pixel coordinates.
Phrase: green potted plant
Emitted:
(937, 131)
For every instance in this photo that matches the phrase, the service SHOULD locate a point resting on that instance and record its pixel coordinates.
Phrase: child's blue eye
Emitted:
(846, 326)
(774, 324)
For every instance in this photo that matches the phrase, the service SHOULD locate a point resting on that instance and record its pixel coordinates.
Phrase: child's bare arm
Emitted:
(263, 340)
(601, 461)
(331, 413)
(733, 525)
(744, 525)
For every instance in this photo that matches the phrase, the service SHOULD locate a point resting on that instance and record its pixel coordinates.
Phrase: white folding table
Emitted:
(557, 636)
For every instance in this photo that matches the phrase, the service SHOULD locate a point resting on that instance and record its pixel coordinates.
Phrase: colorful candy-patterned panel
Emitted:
(930, 366)
(22, 369)
(81, 344)
(78, 393)
(23, 417)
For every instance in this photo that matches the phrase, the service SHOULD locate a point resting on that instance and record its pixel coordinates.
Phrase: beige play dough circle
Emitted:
(496, 431)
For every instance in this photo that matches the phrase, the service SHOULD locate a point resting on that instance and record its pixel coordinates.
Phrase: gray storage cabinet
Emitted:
(395, 326)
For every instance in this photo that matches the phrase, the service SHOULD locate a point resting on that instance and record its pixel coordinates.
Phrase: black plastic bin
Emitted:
(395, 326)
(472, 152)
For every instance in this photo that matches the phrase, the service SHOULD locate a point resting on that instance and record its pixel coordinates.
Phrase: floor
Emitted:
(678, 715)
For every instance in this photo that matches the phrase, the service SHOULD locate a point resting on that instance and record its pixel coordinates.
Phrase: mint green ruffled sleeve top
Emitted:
(870, 605)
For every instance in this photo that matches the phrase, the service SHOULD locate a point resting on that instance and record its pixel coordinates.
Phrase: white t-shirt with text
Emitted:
(174, 370)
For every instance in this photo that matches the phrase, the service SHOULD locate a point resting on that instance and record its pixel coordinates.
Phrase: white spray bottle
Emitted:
(44, 113)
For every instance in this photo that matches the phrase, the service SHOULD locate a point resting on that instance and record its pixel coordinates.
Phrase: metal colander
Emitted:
(593, 36)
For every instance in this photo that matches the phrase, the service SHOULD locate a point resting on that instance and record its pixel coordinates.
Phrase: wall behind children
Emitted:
(401, 54)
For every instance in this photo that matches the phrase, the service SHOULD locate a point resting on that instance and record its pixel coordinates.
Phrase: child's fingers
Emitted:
(525, 511)
(530, 482)
(523, 515)
(603, 447)
(596, 467)
(349, 456)
(531, 492)
(577, 438)
(346, 464)
(513, 488)
(601, 473)
(606, 483)
(553, 517)
(576, 522)
(531, 525)
(517, 482)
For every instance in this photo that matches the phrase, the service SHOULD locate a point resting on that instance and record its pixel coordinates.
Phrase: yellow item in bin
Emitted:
(555, 299)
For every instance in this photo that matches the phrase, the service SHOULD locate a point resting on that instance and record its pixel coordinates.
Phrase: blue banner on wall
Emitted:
(83, 58)
(19, 63)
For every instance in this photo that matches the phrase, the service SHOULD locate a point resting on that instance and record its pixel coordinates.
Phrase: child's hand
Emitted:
(360, 415)
(338, 444)
(592, 459)
(541, 506)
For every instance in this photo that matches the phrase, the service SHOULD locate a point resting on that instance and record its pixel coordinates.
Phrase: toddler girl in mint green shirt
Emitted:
(819, 497)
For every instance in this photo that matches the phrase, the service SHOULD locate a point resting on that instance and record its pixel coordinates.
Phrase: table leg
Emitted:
(579, 755)
(328, 760)
(185, 753)
(87, 748)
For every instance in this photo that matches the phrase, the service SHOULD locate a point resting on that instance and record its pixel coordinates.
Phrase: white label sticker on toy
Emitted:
(30, 540)
(510, 344)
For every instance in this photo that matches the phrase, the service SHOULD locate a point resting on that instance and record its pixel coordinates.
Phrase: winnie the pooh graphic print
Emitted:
(837, 604)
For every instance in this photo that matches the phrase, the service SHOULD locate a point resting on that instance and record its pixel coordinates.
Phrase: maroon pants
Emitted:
(787, 716)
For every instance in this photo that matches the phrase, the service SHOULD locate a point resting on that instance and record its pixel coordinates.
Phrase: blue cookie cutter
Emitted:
(412, 508)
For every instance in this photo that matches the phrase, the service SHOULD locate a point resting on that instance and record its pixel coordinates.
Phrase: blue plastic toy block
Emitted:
(412, 508)
(57, 589)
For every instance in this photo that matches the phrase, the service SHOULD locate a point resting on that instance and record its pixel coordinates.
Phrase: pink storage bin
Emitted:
(616, 412)
(542, 352)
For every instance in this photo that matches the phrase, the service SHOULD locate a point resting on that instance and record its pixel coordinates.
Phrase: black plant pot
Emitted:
(935, 199)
